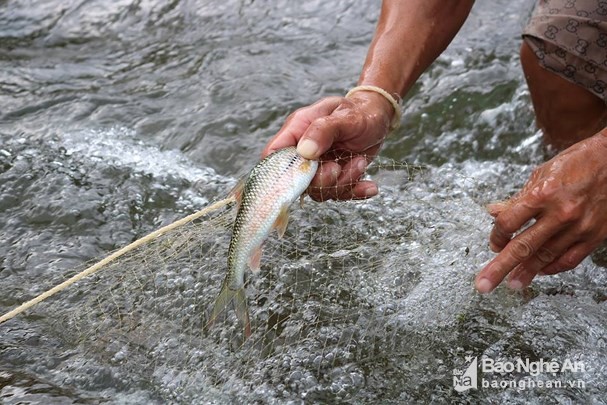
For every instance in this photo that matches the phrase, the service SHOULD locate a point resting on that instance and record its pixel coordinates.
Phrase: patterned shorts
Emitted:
(569, 37)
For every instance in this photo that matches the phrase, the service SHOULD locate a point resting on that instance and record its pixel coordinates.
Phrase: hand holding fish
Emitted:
(356, 124)
(410, 35)
(567, 197)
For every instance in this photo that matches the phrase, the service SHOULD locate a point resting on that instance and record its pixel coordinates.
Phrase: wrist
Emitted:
(375, 106)
(380, 101)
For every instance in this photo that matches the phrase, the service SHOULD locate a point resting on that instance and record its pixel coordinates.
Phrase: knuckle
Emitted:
(568, 262)
(298, 114)
(586, 229)
(545, 255)
(569, 212)
(500, 224)
(323, 122)
(536, 173)
(521, 249)
(543, 192)
(503, 227)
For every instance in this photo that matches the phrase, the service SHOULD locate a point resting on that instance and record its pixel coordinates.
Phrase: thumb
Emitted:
(322, 131)
(298, 123)
(322, 134)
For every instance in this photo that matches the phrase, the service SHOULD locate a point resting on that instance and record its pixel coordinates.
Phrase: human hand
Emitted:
(567, 197)
(345, 134)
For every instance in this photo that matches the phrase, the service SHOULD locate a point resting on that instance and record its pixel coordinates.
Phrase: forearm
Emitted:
(410, 35)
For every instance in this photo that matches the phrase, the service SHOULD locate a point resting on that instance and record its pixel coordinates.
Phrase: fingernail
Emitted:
(515, 284)
(484, 286)
(335, 172)
(361, 165)
(307, 149)
(371, 191)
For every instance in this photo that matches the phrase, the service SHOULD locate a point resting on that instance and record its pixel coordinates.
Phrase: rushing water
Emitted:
(117, 117)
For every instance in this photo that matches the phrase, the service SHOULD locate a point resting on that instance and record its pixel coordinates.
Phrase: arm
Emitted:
(409, 36)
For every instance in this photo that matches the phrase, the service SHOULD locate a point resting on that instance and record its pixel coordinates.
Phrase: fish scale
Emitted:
(270, 188)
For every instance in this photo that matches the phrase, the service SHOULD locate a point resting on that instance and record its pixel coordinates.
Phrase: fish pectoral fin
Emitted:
(282, 221)
(238, 190)
(301, 200)
(255, 260)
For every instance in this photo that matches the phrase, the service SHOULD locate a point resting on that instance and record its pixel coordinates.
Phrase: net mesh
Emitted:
(339, 298)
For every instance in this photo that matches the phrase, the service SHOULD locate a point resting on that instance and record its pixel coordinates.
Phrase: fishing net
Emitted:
(343, 301)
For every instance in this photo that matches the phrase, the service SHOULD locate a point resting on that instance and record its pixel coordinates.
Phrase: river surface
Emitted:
(118, 117)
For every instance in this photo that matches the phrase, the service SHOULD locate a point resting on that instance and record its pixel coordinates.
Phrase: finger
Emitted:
(497, 208)
(524, 273)
(520, 277)
(349, 186)
(361, 191)
(325, 178)
(364, 189)
(319, 137)
(279, 142)
(345, 188)
(324, 132)
(510, 221)
(570, 259)
(327, 174)
(351, 173)
(298, 122)
(518, 250)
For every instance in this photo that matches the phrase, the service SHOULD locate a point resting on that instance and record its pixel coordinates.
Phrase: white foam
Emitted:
(121, 147)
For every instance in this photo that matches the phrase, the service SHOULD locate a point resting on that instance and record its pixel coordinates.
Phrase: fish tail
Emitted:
(242, 311)
(238, 299)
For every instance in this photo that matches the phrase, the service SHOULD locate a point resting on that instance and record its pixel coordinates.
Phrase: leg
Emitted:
(565, 112)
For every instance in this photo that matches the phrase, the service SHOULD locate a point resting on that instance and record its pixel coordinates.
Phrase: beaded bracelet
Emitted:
(395, 101)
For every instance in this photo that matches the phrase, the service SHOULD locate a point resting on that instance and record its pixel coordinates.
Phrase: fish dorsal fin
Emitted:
(282, 220)
(255, 260)
(238, 190)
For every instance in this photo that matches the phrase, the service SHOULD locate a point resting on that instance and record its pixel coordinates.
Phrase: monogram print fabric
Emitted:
(569, 37)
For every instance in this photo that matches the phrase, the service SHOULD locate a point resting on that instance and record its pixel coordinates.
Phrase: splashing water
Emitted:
(122, 117)
(345, 308)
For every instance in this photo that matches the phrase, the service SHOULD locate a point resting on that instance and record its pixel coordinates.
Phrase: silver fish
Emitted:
(264, 200)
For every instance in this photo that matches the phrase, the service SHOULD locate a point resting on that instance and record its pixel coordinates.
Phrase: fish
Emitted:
(263, 198)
